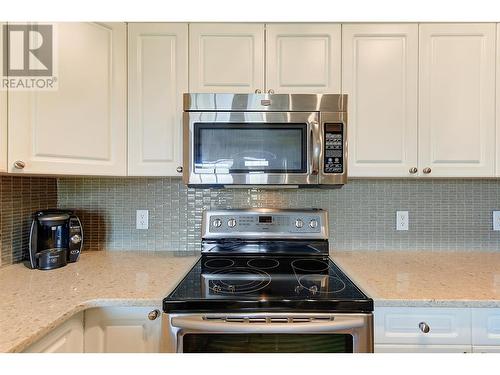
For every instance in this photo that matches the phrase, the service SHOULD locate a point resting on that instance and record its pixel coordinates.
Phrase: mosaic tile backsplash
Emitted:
(19, 198)
(444, 214)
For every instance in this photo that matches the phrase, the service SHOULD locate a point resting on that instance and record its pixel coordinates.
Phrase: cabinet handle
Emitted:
(258, 91)
(427, 170)
(413, 170)
(19, 164)
(179, 169)
(153, 314)
(270, 91)
(424, 327)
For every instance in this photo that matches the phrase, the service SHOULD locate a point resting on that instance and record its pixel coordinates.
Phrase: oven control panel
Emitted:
(265, 223)
(333, 147)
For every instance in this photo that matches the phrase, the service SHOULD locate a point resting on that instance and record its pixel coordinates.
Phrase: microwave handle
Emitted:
(315, 146)
(197, 323)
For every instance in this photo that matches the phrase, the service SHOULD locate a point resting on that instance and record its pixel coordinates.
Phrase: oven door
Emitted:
(251, 148)
(268, 333)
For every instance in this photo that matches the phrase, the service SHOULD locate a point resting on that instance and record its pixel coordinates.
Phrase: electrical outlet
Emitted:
(496, 220)
(142, 219)
(402, 219)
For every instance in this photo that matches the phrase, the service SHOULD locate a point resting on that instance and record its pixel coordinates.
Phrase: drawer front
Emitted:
(486, 326)
(393, 348)
(400, 325)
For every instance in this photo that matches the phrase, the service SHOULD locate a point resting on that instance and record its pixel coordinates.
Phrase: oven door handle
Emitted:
(315, 147)
(197, 323)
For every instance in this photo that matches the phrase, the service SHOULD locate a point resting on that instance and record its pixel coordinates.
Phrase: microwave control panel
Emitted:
(333, 148)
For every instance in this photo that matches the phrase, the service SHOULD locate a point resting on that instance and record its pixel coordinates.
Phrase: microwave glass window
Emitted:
(237, 148)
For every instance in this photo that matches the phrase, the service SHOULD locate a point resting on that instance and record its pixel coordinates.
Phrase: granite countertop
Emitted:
(425, 278)
(33, 302)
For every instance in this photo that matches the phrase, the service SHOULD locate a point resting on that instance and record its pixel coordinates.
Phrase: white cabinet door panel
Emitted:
(3, 116)
(400, 325)
(303, 58)
(379, 74)
(485, 349)
(121, 330)
(226, 57)
(158, 76)
(80, 128)
(457, 99)
(67, 338)
(391, 348)
(486, 326)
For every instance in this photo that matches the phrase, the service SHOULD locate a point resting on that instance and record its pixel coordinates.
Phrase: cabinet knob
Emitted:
(270, 91)
(413, 170)
(179, 169)
(153, 314)
(424, 327)
(19, 164)
(258, 91)
(427, 170)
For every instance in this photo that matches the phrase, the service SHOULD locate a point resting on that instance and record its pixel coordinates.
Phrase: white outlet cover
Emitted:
(496, 220)
(142, 219)
(402, 220)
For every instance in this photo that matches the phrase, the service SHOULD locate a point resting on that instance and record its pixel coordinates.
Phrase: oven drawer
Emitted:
(432, 326)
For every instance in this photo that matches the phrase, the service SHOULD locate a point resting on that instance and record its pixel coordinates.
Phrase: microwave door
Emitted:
(252, 148)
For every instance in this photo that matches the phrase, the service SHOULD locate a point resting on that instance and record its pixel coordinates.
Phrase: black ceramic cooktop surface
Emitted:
(266, 283)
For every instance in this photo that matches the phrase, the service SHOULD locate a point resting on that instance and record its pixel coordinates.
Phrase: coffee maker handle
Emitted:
(33, 243)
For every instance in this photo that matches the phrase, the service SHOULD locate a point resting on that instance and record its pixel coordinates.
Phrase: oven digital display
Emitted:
(265, 219)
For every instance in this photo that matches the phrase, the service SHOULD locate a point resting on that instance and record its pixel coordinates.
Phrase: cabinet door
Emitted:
(486, 327)
(303, 58)
(457, 100)
(67, 338)
(386, 348)
(226, 57)
(80, 128)
(486, 349)
(3, 115)
(379, 74)
(158, 58)
(121, 330)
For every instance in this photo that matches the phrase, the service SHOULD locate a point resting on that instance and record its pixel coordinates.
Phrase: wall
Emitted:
(19, 198)
(444, 214)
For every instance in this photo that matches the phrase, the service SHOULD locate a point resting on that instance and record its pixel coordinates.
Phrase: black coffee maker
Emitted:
(56, 238)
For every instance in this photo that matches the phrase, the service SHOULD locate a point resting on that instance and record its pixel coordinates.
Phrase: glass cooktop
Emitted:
(267, 283)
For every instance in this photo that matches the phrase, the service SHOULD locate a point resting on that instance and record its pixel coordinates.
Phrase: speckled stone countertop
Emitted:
(425, 278)
(33, 302)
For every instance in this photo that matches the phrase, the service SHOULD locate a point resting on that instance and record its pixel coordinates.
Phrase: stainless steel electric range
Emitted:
(265, 283)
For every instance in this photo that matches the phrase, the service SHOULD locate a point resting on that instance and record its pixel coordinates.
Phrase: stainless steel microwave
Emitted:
(267, 140)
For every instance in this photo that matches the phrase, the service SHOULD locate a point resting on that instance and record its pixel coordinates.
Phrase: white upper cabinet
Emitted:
(497, 103)
(158, 76)
(303, 58)
(379, 74)
(226, 57)
(80, 128)
(457, 100)
(3, 115)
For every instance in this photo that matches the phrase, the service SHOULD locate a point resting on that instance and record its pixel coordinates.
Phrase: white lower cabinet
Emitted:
(67, 338)
(422, 330)
(393, 348)
(486, 330)
(121, 330)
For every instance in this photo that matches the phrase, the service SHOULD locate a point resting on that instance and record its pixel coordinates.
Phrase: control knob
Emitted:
(76, 238)
(299, 223)
(313, 223)
(217, 223)
(231, 223)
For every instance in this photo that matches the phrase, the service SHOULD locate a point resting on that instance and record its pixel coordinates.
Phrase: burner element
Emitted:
(310, 265)
(263, 263)
(238, 280)
(219, 263)
(321, 284)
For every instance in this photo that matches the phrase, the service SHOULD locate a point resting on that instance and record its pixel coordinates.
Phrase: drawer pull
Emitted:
(424, 327)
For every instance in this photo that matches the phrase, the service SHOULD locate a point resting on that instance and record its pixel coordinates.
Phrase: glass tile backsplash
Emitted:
(452, 214)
